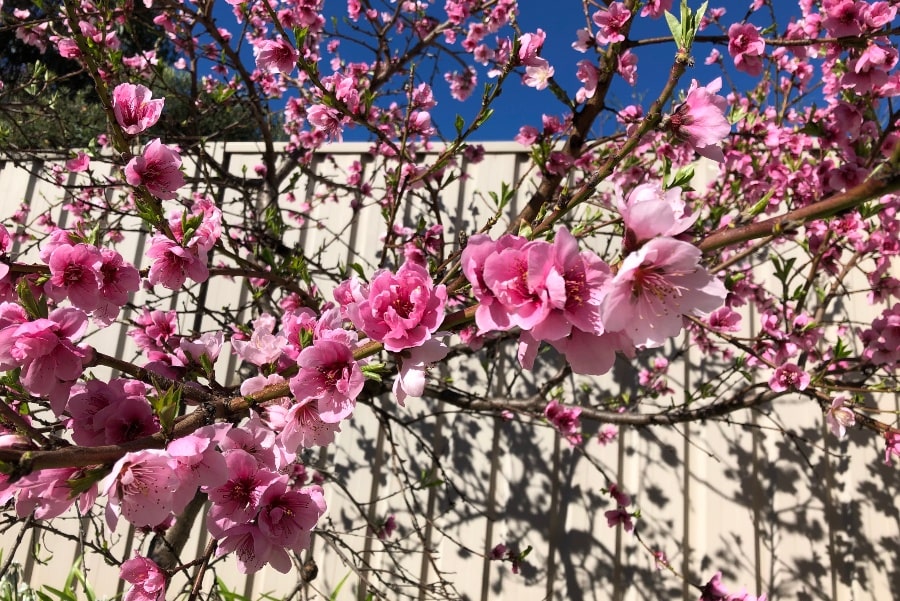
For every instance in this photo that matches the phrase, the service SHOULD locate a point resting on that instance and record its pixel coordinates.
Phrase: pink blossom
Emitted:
(789, 377)
(627, 67)
(46, 494)
(303, 426)
(118, 279)
(714, 590)
(68, 48)
(276, 55)
(655, 287)
(521, 285)
(156, 330)
(237, 500)
(461, 84)
(530, 45)
(330, 374)
(583, 40)
(410, 380)
(843, 18)
(158, 168)
(588, 75)
(134, 109)
(400, 310)
(327, 119)
(264, 347)
(725, 319)
(839, 416)
(253, 437)
(386, 528)
(74, 274)
(141, 487)
(110, 412)
(617, 516)
(252, 550)
(174, 264)
(611, 21)
(882, 340)
(656, 8)
(206, 345)
(46, 353)
(80, 163)
(148, 582)
(607, 434)
(747, 47)
(891, 445)
(197, 463)
(287, 516)
(566, 420)
(649, 212)
(621, 497)
(700, 120)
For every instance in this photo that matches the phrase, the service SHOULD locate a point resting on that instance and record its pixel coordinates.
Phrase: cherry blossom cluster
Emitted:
(553, 292)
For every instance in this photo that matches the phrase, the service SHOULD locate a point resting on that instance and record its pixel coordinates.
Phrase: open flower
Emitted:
(839, 416)
(654, 289)
(401, 310)
(134, 109)
(329, 373)
(700, 120)
(158, 168)
(276, 55)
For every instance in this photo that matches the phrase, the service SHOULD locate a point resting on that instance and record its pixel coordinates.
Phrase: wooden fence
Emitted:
(765, 496)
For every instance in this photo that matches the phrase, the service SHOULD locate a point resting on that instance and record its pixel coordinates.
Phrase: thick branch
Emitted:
(866, 191)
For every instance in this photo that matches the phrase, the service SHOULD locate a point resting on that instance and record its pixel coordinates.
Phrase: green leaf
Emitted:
(459, 123)
(36, 307)
(675, 28)
(84, 482)
(484, 117)
(760, 205)
(681, 178)
(165, 406)
(337, 589)
(373, 371)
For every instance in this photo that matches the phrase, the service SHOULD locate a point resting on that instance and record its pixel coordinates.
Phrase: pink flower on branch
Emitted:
(158, 168)
(276, 55)
(141, 488)
(45, 351)
(789, 377)
(410, 380)
(148, 581)
(174, 264)
(287, 516)
(75, 274)
(654, 289)
(891, 445)
(566, 420)
(700, 120)
(611, 21)
(747, 47)
(80, 163)
(134, 109)
(617, 516)
(401, 310)
(839, 416)
(650, 212)
(330, 374)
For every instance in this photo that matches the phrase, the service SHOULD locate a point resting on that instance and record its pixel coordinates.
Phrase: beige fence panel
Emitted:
(767, 496)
